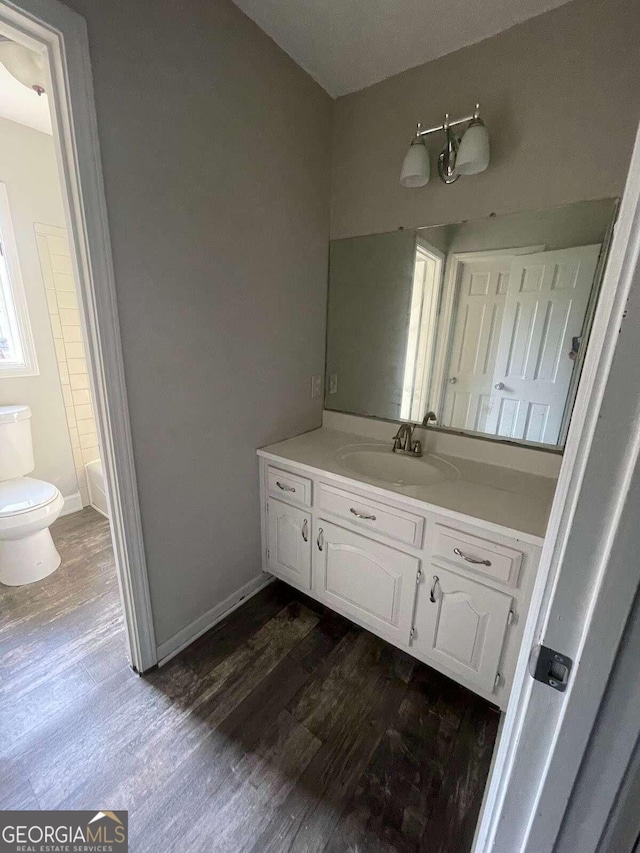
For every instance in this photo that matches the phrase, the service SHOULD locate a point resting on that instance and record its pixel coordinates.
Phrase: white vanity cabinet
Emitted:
(451, 590)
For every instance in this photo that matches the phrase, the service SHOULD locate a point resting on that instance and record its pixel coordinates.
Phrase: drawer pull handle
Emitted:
(432, 594)
(320, 540)
(362, 515)
(473, 560)
(284, 487)
(305, 530)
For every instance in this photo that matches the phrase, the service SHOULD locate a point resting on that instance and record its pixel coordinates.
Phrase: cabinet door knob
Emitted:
(305, 530)
(320, 540)
(432, 594)
(499, 386)
(453, 380)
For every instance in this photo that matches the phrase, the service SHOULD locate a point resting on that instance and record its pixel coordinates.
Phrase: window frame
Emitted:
(29, 364)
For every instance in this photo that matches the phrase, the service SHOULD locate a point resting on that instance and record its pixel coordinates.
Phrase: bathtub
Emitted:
(95, 483)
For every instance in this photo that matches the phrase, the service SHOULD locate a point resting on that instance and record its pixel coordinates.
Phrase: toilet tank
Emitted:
(16, 448)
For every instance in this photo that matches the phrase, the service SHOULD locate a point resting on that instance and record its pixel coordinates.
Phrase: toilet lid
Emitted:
(24, 494)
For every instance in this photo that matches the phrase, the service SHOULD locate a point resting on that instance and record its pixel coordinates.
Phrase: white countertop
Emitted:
(512, 502)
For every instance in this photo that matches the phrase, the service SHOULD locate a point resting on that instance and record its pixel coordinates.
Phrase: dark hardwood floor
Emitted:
(284, 728)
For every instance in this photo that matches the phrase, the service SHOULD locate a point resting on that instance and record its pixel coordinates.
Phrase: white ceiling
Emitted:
(346, 45)
(23, 105)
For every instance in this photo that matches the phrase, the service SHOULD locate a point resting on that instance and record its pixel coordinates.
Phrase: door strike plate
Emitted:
(552, 668)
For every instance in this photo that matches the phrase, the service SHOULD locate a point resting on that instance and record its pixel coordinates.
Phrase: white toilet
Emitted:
(27, 506)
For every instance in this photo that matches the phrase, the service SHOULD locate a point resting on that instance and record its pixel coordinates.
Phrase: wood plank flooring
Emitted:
(285, 728)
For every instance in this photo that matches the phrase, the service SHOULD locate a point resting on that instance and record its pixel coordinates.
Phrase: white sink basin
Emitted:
(384, 466)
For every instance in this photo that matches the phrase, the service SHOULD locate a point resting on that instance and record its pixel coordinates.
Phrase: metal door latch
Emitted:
(552, 668)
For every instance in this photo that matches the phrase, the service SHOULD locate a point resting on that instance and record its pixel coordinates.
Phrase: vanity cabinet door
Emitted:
(461, 624)
(289, 543)
(369, 582)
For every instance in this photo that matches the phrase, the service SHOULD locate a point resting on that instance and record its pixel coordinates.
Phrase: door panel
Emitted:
(289, 543)
(482, 292)
(363, 579)
(544, 310)
(464, 627)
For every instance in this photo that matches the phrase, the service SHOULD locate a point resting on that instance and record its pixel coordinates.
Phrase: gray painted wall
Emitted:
(561, 100)
(215, 150)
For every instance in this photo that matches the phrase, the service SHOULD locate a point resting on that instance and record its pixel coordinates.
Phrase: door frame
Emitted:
(59, 33)
(426, 385)
(541, 795)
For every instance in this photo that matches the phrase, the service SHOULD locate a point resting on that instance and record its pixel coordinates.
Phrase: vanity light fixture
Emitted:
(467, 156)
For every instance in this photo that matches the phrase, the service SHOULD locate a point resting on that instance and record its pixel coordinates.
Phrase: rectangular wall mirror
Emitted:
(479, 327)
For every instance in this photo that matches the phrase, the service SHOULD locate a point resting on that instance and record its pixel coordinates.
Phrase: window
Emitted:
(17, 353)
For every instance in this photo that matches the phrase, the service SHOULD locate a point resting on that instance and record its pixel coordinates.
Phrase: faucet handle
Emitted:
(417, 448)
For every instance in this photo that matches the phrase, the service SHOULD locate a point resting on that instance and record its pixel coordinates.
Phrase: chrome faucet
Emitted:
(403, 443)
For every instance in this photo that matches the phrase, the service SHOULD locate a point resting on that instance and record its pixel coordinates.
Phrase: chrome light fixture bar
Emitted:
(466, 157)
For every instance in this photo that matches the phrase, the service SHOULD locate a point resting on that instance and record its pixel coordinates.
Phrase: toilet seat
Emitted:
(25, 494)
(27, 504)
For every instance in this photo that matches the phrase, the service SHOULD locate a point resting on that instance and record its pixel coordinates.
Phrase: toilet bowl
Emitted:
(27, 506)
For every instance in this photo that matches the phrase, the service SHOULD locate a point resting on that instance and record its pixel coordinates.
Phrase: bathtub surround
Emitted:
(96, 487)
(62, 298)
(28, 169)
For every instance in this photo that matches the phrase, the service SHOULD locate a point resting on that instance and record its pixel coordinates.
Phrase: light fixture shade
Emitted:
(23, 64)
(473, 154)
(415, 169)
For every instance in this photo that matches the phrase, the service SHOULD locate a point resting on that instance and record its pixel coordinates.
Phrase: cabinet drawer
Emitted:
(478, 555)
(291, 487)
(374, 516)
(365, 580)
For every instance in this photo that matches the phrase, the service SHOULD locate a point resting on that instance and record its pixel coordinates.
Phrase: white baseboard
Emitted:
(171, 647)
(72, 503)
